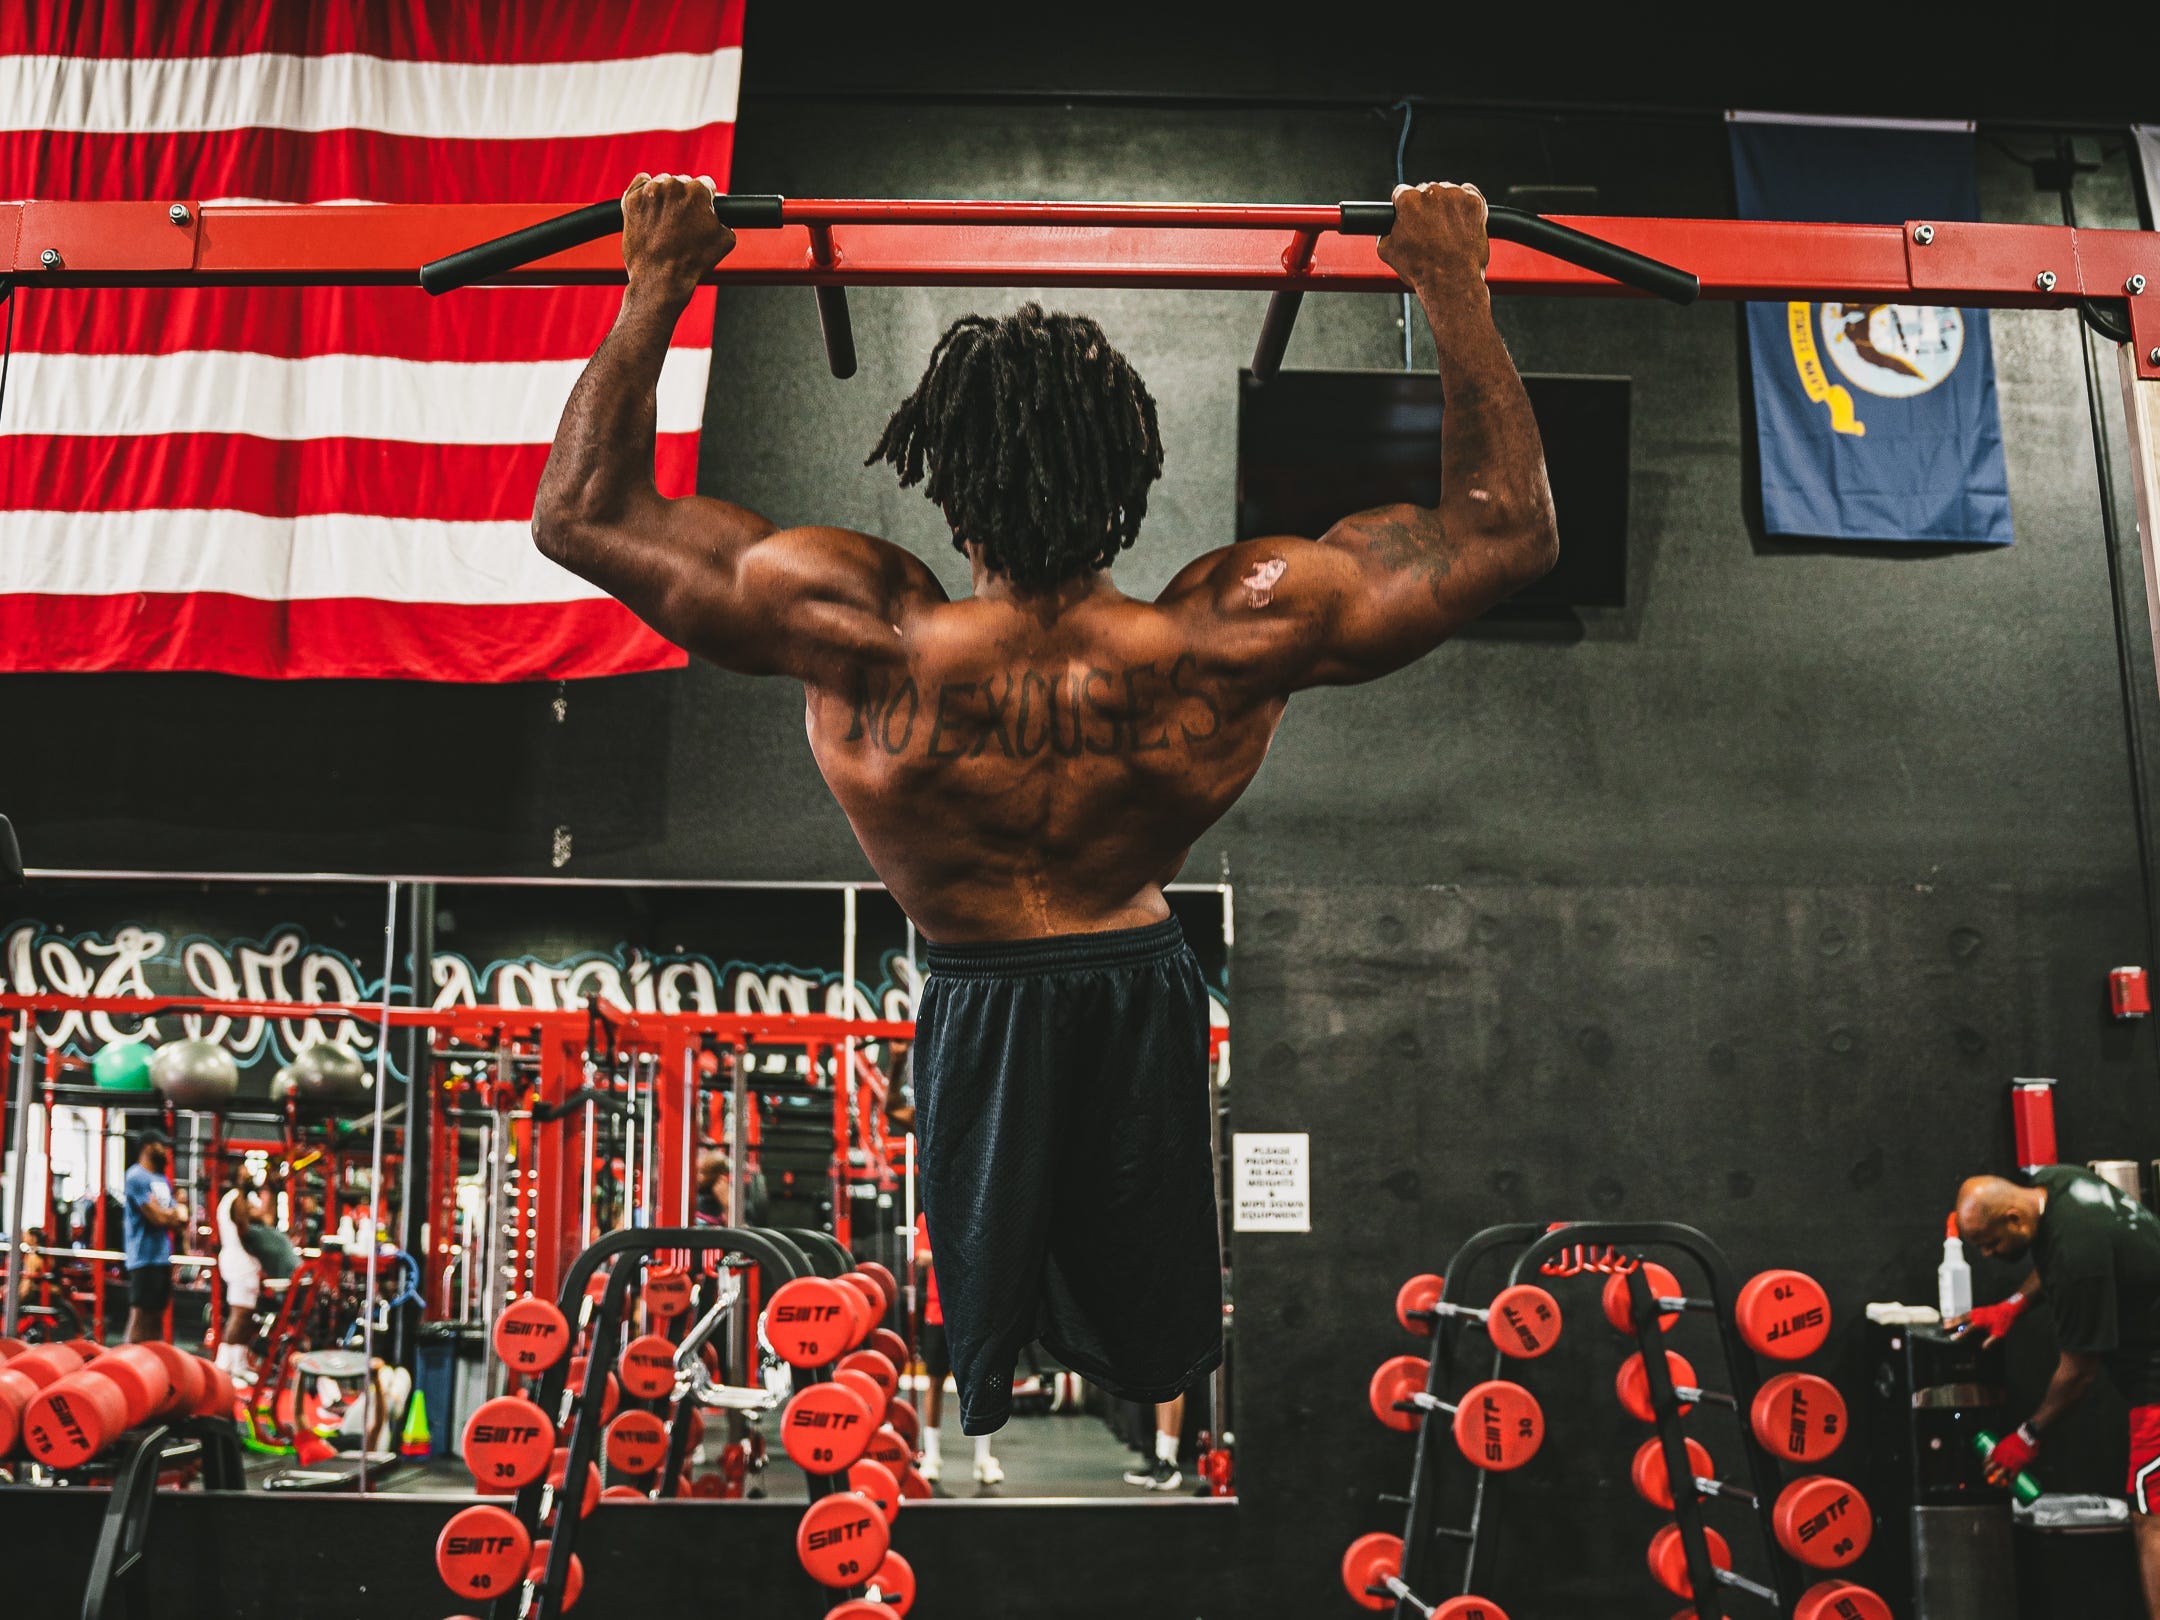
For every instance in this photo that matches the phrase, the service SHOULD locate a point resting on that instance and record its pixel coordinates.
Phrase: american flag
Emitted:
(329, 481)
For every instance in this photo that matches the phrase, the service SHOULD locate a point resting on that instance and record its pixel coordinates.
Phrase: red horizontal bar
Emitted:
(949, 211)
(1068, 245)
(779, 1028)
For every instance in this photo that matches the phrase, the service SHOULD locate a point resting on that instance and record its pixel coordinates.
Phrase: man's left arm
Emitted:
(2075, 1371)
(161, 1208)
(711, 576)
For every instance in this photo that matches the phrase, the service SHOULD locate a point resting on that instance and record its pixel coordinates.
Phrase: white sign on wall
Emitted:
(1271, 1181)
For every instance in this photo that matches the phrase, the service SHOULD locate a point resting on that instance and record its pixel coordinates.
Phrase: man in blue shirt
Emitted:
(151, 1219)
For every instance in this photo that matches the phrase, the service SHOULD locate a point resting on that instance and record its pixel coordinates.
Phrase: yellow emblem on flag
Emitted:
(1800, 325)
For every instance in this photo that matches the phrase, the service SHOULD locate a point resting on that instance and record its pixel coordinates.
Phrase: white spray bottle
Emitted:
(1953, 1278)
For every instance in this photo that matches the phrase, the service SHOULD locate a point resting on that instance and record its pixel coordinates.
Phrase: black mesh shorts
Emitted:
(1066, 1164)
(149, 1287)
(936, 1353)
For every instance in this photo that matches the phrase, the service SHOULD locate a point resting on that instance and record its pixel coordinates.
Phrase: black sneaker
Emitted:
(1159, 1475)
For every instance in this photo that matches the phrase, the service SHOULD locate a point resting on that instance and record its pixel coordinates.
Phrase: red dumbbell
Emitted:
(825, 1427)
(1822, 1522)
(1372, 1575)
(73, 1418)
(1632, 1385)
(1497, 1425)
(1523, 1321)
(1798, 1416)
(842, 1538)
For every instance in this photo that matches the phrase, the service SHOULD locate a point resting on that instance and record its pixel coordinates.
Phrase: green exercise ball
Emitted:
(123, 1066)
(195, 1074)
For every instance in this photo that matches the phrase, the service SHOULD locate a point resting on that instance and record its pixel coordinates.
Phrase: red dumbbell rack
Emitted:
(782, 1259)
(1559, 1250)
(1420, 1506)
(1742, 1381)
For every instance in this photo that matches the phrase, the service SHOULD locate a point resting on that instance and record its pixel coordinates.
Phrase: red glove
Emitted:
(1996, 1319)
(2012, 1452)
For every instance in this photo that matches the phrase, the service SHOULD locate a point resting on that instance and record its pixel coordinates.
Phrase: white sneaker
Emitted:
(988, 1471)
(930, 1467)
(1160, 1474)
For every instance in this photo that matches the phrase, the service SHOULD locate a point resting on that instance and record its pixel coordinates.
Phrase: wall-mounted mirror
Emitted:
(215, 1171)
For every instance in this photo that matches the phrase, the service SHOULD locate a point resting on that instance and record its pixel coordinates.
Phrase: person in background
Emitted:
(937, 1367)
(151, 1217)
(35, 1265)
(373, 1419)
(2096, 1261)
(712, 1188)
(712, 1185)
(239, 1271)
(1161, 1471)
(272, 1249)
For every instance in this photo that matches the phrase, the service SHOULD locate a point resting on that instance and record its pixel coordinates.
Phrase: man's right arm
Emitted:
(1382, 588)
(714, 577)
(1998, 1318)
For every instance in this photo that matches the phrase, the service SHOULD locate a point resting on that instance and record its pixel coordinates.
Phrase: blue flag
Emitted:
(1873, 421)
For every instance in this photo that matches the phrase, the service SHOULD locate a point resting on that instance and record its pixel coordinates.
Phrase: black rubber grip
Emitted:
(1367, 219)
(746, 210)
(1275, 330)
(838, 330)
(1564, 242)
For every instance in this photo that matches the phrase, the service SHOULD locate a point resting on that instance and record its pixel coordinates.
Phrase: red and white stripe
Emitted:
(331, 482)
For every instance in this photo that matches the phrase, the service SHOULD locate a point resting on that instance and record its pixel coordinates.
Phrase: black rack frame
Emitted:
(1540, 1242)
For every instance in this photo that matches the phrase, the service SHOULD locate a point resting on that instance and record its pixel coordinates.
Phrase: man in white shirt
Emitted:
(240, 1272)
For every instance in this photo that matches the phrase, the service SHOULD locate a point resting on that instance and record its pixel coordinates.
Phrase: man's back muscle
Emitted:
(1016, 768)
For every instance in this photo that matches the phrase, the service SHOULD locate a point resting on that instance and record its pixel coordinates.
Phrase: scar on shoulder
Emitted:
(1260, 583)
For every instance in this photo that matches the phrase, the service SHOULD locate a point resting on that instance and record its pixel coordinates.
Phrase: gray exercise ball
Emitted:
(328, 1072)
(195, 1074)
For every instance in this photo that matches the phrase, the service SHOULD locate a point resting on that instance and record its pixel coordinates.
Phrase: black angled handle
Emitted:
(747, 210)
(1563, 242)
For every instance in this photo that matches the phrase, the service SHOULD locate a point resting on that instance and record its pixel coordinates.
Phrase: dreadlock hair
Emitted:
(1039, 440)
